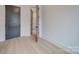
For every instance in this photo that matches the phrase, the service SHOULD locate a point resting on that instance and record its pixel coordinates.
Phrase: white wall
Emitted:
(25, 20)
(61, 25)
(2, 23)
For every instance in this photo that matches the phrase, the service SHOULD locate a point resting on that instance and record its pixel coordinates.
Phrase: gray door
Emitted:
(12, 22)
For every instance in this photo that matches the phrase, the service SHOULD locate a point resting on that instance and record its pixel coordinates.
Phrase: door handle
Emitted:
(37, 26)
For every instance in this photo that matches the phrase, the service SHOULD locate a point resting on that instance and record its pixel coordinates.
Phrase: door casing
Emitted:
(35, 35)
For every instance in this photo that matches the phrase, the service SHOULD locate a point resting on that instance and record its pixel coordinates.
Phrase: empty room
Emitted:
(39, 29)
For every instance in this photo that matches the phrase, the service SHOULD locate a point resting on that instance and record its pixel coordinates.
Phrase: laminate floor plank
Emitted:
(25, 45)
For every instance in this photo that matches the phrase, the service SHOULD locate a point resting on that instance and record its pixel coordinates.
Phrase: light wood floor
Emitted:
(25, 45)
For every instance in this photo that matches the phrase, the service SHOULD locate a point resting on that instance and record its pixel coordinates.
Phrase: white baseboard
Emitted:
(60, 46)
(2, 40)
